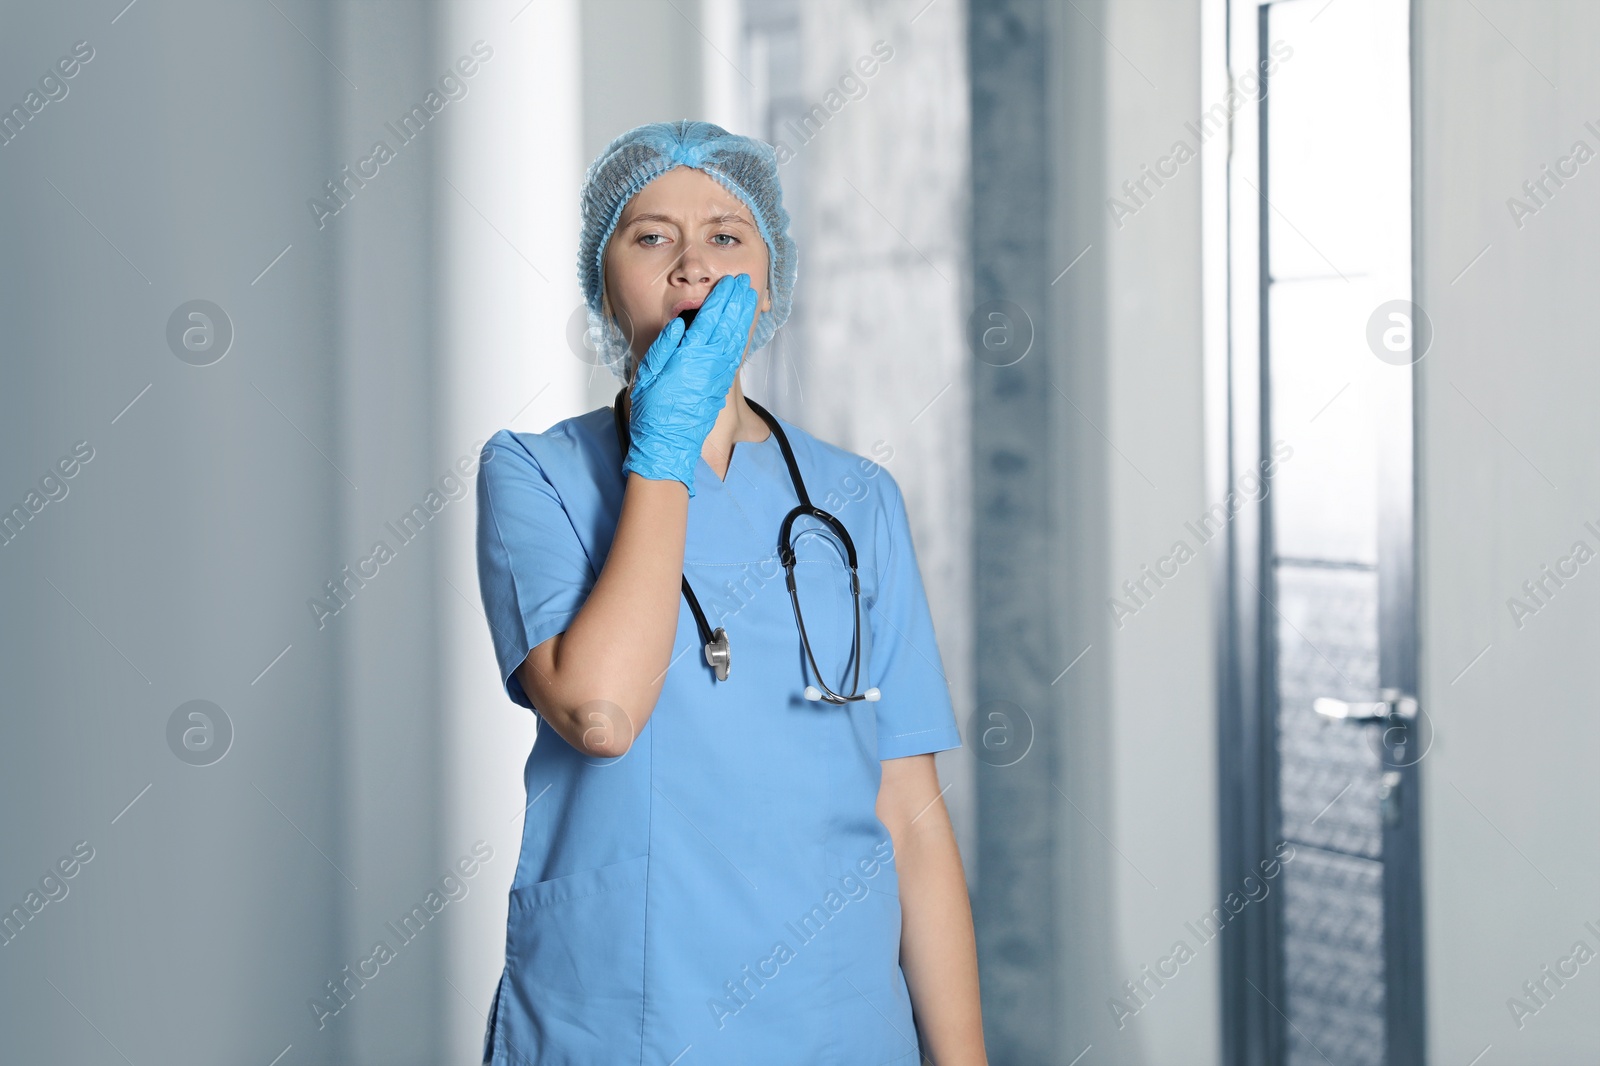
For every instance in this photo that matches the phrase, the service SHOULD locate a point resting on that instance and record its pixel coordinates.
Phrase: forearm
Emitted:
(620, 643)
(938, 951)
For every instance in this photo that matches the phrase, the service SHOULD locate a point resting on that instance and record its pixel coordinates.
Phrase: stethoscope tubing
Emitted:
(715, 642)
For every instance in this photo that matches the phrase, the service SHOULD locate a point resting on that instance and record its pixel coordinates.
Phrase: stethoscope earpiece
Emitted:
(872, 695)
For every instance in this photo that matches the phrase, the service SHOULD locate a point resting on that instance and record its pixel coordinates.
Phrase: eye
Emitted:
(642, 237)
(730, 236)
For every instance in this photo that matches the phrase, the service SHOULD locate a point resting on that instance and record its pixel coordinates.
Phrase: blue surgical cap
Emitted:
(749, 170)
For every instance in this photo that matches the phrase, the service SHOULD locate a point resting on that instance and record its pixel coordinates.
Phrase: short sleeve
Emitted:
(915, 713)
(533, 572)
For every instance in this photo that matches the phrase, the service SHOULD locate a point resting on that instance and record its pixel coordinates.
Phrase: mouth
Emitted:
(686, 310)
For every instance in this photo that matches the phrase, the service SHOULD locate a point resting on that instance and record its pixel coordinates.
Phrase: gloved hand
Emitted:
(683, 383)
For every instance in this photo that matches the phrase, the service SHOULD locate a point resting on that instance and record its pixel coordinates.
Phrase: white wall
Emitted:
(380, 353)
(1161, 779)
(1507, 441)
(179, 564)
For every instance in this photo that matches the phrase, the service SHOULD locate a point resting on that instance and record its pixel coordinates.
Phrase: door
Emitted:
(1322, 735)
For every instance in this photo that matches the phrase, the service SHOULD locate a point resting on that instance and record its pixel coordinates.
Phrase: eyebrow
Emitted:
(722, 218)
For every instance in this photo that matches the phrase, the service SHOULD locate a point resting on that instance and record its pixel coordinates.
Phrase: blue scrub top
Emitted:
(723, 893)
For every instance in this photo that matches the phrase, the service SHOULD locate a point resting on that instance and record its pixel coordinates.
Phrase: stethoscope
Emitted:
(718, 654)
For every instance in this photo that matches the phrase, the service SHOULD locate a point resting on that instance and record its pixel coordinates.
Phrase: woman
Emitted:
(735, 848)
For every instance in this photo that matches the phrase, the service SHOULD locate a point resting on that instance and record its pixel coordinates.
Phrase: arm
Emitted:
(598, 681)
(619, 645)
(938, 950)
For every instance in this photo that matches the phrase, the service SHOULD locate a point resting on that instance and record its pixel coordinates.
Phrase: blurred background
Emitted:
(1237, 361)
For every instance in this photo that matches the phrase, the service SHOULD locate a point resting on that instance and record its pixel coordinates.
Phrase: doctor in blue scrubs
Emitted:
(735, 849)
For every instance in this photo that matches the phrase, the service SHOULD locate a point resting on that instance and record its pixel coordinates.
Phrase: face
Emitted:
(676, 238)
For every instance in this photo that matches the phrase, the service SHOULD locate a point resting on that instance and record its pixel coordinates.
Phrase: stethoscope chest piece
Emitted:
(718, 655)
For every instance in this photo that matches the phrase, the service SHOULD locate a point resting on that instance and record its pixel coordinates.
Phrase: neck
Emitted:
(735, 422)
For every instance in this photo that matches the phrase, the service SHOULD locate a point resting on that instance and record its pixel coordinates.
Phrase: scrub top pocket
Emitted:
(576, 944)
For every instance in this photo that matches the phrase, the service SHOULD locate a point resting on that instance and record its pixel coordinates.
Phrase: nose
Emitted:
(692, 268)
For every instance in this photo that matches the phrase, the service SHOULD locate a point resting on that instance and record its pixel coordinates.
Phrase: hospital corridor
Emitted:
(800, 533)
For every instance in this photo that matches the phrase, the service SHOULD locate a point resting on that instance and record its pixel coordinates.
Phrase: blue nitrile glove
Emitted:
(683, 383)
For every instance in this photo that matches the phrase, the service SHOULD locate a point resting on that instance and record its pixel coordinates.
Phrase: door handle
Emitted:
(1351, 712)
(1392, 703)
